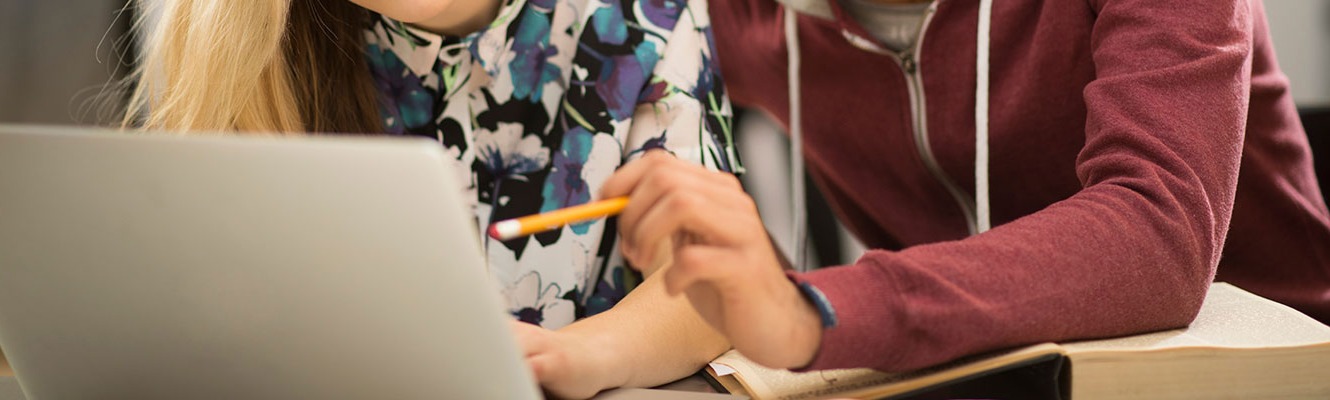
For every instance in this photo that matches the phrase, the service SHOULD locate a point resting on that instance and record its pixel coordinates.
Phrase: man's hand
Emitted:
(722, 258)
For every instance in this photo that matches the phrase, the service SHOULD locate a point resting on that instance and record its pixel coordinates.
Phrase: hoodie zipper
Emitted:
(909, 65)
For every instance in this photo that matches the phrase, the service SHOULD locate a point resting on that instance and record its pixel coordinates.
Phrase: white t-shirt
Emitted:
(896, 25)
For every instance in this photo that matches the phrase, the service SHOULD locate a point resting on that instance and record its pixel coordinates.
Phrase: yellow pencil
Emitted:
(532, 224)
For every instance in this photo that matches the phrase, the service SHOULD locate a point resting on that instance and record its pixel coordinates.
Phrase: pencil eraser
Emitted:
(505, 230)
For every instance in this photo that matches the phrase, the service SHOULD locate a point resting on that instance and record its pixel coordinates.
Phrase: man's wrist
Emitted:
(811, 322)
(816, 315)
(825, 313)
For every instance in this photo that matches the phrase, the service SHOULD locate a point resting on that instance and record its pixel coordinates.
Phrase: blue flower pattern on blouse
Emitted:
(566, 186)
(540, 107)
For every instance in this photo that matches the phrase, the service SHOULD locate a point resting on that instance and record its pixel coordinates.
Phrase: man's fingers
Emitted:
(658, 223)
(649, 192)
(702, 204)
(622, 182)
(669, 177)
(695, 215)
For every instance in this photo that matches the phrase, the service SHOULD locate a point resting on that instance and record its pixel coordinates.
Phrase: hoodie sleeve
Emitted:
(1134, 250)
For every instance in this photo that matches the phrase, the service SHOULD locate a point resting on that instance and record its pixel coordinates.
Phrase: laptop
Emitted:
(158, 266)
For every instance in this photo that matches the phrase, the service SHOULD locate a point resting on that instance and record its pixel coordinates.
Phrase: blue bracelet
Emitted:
(819, 300)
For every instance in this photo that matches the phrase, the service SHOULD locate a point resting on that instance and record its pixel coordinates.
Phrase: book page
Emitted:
(1229, 318)
(766, 383)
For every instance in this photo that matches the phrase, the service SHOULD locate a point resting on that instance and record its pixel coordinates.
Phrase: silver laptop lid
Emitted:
(152, 266)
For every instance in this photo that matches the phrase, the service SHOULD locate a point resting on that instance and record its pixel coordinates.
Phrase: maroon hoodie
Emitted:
(1136, 148)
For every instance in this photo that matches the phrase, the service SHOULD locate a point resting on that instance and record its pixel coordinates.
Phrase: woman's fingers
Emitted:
(533, 339)
(548, 366)
(558, 361)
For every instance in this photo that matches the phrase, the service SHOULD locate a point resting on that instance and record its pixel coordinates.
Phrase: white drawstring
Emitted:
(983, 219)
(799, 213)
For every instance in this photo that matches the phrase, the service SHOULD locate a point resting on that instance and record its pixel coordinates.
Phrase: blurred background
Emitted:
(59, 60)
(56, 56)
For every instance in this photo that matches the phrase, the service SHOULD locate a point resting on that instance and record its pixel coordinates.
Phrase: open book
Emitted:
(1240, 346)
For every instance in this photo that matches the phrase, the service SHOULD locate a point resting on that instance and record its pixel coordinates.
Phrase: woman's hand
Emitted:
(722, 258)
(569, 363)
(650, 338)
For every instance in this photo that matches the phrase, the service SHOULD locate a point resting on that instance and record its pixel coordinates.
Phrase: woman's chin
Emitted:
(408, 11)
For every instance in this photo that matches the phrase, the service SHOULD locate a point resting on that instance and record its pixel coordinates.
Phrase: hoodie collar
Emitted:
(816, 8)
(856, 34)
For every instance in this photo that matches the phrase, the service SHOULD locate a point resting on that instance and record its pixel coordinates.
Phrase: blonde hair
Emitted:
(252, 66)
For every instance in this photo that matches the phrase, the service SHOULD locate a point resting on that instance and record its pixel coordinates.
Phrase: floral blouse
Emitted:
(540, 107)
